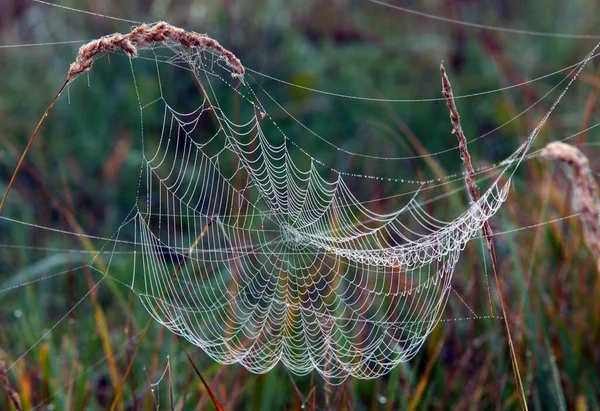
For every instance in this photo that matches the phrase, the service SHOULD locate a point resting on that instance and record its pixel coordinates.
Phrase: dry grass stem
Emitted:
(22, 158)
(11, 393)
(586, 196)
(145, 36)
(487, 230)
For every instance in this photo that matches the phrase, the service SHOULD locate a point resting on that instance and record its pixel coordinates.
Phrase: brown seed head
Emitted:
(147, 35)
(586, 196)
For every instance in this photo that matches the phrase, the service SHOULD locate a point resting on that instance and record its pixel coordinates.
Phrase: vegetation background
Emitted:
(82, 169)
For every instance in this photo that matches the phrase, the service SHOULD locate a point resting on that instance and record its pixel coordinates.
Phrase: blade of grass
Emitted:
(171, 399)
(425, 377)
(129, 367)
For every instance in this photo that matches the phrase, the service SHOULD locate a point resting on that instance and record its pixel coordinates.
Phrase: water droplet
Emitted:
(18, 313)
(382, 399)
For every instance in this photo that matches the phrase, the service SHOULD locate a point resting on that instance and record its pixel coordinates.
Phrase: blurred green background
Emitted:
(82, 171)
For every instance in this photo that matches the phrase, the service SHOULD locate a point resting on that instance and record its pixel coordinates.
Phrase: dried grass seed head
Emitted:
(586, 196)
(148, 35)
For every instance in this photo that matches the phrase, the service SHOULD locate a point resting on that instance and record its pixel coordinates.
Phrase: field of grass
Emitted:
(71, 338)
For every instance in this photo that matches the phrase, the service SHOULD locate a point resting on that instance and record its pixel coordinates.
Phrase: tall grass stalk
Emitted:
(487, 230)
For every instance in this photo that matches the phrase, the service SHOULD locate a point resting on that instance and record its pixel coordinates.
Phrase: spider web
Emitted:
(259, 252)
(258, 259)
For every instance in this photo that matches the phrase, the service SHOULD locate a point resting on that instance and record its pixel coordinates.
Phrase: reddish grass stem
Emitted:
(213, 397)
(487, 230)
(11, 393)
(14, 175)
